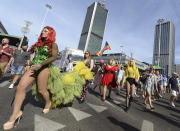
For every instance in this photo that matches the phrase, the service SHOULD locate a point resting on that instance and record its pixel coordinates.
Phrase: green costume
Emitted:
(63, 87)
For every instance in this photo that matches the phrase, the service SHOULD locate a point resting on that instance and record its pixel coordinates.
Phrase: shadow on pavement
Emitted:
(125, 126)
(178, 117)
(168, 107)
(93, 92)
(30, 99)
(168, 119)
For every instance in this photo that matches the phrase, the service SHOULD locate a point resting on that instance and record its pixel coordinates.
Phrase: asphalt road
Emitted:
(93, 115)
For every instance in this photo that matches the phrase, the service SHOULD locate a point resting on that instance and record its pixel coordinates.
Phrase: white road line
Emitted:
(97, 108)
(121, 99)
(116, 102)
(79, 115)
(147, 126)
(109, 103)
(44, 124)
(5, 83)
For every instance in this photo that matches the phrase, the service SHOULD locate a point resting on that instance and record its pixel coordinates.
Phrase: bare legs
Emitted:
(20, 93)
(148, 97)
(129, 89)
(42, 86)
(15, 78)
(104, 92)
(25, 81)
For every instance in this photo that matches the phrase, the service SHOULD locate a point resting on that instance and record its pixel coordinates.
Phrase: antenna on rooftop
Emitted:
(103, 4)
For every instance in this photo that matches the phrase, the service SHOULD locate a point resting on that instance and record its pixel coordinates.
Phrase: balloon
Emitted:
(101, 61)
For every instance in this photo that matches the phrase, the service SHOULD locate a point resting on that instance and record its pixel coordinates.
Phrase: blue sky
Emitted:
(130, 23)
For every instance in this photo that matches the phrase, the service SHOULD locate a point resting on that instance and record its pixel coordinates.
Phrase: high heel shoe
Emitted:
(46, 110)
(9, 125)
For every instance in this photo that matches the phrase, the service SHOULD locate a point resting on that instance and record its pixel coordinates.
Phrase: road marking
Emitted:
(97, 108)
(109, 103)
(5, 83)
(121, 99)
(116, 102)
(44, 124)
(147, 126)
(79, 115)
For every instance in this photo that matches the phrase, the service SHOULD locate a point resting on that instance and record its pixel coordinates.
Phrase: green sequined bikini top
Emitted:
(41, 55)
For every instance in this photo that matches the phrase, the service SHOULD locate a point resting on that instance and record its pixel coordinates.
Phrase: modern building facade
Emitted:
(164, 46)
(2, 29)
(120, 58)
(177, 67)
(93, 28)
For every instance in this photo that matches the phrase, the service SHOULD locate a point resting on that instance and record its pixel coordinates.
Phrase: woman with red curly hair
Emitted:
(49, 84)
(36, 70)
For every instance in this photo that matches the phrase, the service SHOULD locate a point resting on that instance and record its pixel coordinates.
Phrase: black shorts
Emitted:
(131, 81)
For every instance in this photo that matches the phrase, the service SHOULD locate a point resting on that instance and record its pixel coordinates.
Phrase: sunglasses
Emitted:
(86, 53)
(46, 30)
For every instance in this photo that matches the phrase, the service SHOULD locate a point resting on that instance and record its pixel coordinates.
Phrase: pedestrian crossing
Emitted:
(42, 123)
(4, 83)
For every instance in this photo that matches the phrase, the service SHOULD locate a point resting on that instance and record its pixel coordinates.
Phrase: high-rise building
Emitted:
(93, 28)
(164, 46)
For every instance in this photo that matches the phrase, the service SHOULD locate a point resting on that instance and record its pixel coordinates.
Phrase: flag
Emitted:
(106, 47)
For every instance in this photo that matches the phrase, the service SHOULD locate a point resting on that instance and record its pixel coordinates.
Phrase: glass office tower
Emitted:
(93, 28)
(164, 46)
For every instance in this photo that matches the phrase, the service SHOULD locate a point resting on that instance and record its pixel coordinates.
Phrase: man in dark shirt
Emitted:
(173, 85)
(5, 54)
(19, 60)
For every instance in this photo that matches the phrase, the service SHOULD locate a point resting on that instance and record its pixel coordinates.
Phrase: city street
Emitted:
(93, 115)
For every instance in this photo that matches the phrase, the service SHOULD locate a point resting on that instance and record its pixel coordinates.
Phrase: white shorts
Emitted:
(119, 80)
(175, 93)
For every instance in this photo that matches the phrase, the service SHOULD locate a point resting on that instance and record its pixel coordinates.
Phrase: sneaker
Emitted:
(11, 86)
(172, 104)
(160, 95)
(118, 92)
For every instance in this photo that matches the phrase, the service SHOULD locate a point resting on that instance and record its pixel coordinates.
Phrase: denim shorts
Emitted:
(16, 69)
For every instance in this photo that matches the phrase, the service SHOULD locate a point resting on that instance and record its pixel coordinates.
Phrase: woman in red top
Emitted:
(108, 79)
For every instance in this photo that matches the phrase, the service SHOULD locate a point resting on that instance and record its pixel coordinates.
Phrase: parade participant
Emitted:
(49, 84)
(143, 81)
(5, 54)
(20, 58)
(120, 78)
(90, 64)
(173, 85)
(108, 79)
(149, 87)
(70, 65)
(164, 83)
(131, 77)
(159, 83)
(98, 76)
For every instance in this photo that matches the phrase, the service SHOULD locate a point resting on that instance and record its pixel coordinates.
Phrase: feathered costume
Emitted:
(63, 87)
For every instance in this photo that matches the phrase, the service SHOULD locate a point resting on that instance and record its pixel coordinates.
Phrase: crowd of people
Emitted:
(35, 66)
(152, 84)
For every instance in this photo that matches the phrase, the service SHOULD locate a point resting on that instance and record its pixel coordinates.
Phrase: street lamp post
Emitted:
(48, 7)
(24, 31)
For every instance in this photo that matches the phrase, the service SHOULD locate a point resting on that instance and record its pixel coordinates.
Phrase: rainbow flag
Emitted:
(106, 47)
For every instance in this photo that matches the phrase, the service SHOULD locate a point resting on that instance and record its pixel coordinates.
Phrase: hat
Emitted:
(174, 73)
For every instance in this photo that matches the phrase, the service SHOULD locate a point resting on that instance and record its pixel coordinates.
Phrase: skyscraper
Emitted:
(93, 28)
(164, 46)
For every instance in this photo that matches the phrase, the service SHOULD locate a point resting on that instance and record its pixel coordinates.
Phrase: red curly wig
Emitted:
(48, 41)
